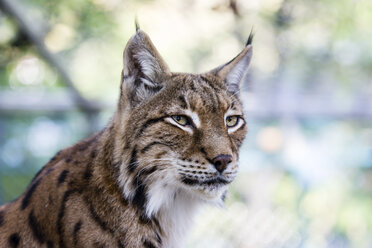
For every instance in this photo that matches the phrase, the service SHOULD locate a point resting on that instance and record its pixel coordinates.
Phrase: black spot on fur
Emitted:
(61, 214)
(93, 154)
(83, 146)
(148, 147)
(50, 244)
(223, 197)
(126, 76)
(192, 85)
(68, 159)
(55, 156)
(211, 90)
(32, 188)
(189, 181)
(139, 199)
(98, 245)
(95, 216)
(204, 79)
(148, 244)
(77, 228)
(183, 102)
(215, 87)
(156, 223)
(87, 173)
(1, 218)
(120, 245)
(133, 161)
(62, 177)
(160, 154)
(14, 240)
(143, 219)
(149, 171)
(28, 195)
(37, 174)
(232, 105)
(49, 171)
(36, 228)
(158, 238)
(202, 150)
(149, 123)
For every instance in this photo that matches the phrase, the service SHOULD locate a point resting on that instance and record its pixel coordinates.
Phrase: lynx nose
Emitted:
(221, 161)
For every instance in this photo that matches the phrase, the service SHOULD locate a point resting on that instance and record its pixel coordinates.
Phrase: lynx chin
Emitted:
(171, 146)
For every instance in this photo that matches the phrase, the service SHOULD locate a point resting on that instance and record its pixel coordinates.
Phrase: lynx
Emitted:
(171, 146)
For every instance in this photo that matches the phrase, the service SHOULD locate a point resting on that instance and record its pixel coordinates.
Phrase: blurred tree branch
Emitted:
(89, 108)
(12, 8)
(35, 101)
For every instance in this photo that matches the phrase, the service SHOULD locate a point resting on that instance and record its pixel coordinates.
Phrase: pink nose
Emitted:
(221, 161)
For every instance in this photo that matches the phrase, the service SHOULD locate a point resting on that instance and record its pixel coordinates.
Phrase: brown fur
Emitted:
(97, 192)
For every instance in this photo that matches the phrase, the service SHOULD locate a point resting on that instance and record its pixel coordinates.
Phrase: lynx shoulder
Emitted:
(171, 146)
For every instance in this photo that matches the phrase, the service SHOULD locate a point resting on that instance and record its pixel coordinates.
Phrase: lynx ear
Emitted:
(144, 70)
(233, 72)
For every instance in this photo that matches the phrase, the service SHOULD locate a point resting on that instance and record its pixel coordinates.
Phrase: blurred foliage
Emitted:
(305, 181)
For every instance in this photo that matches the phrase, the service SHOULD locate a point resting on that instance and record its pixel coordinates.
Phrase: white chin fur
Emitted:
(212, 195)
(161, 196)
(175, 204)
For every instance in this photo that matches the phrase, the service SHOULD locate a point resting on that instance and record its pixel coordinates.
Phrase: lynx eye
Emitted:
(181, 119)
(232, 121)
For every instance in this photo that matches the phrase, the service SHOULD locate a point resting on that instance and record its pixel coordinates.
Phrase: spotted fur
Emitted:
(137, 183)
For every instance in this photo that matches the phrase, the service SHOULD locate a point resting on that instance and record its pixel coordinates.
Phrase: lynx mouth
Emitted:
(218, 181)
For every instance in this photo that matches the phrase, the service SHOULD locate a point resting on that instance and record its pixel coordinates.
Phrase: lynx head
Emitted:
(178, 133)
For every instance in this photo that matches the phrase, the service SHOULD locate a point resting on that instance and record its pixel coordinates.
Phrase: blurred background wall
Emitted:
(305, 178)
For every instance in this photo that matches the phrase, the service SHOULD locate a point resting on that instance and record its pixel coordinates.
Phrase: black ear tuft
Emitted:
(233, 72)
(136, 23)
(250, 38)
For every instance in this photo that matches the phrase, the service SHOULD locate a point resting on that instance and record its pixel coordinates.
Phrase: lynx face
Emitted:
(201, 131)
(183, 130)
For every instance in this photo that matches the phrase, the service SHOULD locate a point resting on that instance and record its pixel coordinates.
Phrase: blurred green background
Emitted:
(306, 165)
